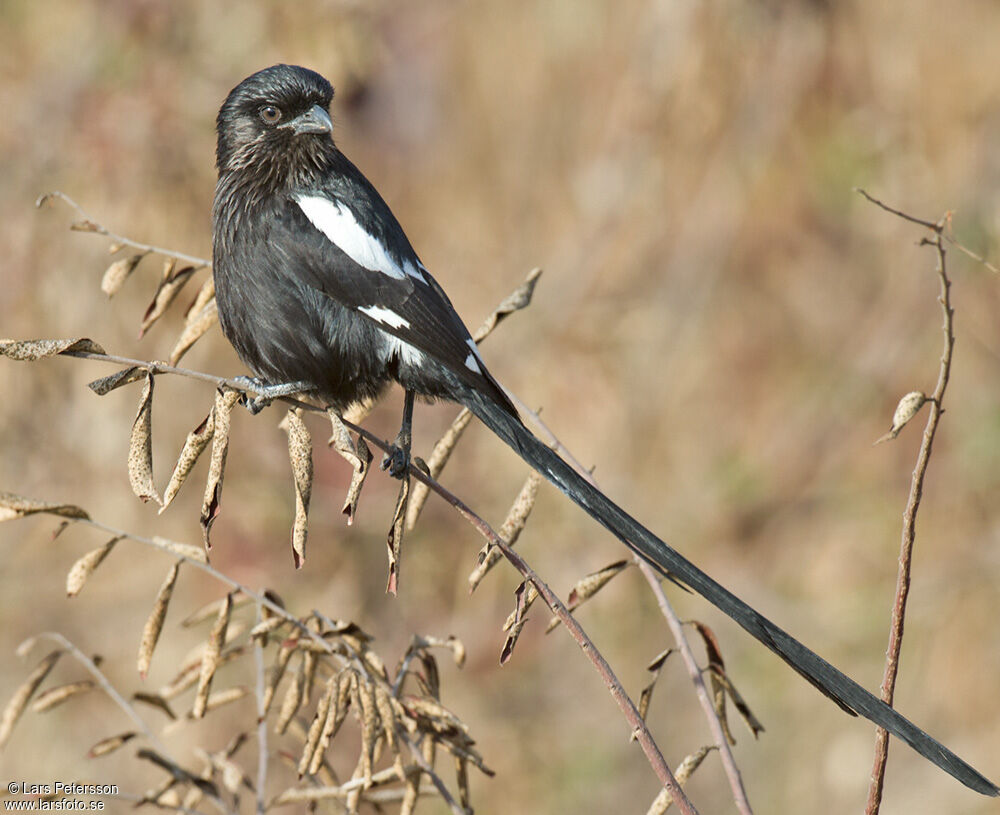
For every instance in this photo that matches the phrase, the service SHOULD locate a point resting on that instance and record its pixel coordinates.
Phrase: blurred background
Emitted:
(723, 328)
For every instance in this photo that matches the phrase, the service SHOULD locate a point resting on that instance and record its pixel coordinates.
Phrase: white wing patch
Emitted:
(472, 361)
(338, 223)
(408, 354)
(414, 271)
(386, 316)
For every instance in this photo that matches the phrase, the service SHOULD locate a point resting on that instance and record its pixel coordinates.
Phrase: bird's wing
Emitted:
(367, 264)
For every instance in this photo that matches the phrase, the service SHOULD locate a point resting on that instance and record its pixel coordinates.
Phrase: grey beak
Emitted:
(314, 120)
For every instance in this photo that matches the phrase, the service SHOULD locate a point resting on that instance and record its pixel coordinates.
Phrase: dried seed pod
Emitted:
(316, 728)
(155, 700)
(117, 273)
(225, 399)
(110, 744)
(524, 595)
(14, 506)
(199, 317)
(56, 696)
(292, 701)
(300, 456)
(587, 587)
(394, 540)
(277, 671)
(387, 716)
(195, 444)
(19, 701)
(210, 661)
(511, 529)
(33, 350)
(370, 730)
(350, 508)
(752, 722)
(225, 697)
(154, 623)
(515, 301)
(359, 457)
(85, 567)
(683, 773)
(171, 283)
(125, 376)
(184, 550)
(178, 774)
(140, 449)
(189, 674)
(907, 408)
(268, 626)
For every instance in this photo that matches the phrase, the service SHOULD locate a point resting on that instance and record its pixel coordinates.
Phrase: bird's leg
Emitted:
(397, 460)
(267, 393)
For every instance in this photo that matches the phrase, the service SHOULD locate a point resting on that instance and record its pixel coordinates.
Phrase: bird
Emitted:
(319, 289)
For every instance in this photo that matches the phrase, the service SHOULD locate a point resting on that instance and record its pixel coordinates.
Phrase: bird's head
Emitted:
(276, 116)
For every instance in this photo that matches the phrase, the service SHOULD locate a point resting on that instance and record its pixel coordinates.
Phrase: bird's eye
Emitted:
(270, 114)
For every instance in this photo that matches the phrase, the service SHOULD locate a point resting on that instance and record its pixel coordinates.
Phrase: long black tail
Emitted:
(839, 687)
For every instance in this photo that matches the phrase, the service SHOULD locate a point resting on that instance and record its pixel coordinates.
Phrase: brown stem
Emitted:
(673, 623)
(910, 515)
(99, 229)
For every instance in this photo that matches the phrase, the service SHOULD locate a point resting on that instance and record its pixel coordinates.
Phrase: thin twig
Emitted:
(262, 755)
(673, 622)
(107, 687)
(932, 225)
(618, 693)
(697, 679)
(100, 229)
(424, 765)
(910, 514)
(939, 228)
(121, 701)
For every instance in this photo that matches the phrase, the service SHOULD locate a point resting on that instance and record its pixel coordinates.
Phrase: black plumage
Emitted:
(317, 282)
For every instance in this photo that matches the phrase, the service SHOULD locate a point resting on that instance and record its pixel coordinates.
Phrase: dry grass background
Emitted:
(723, 327)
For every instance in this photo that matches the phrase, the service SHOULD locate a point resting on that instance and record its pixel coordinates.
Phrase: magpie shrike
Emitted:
(319, 289)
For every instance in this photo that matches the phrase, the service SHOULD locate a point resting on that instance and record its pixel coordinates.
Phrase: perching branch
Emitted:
(628, 708)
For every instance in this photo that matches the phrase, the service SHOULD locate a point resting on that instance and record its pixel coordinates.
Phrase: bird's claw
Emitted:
(397, 461)
(254, 404)
(266, 393)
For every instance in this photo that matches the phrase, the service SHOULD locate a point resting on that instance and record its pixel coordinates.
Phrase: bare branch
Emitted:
(912, 505)
(942, 229)
(88, 224)
(676, 629)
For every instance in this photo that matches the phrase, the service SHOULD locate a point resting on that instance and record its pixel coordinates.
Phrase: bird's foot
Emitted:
(265, 394)
(397, 461)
